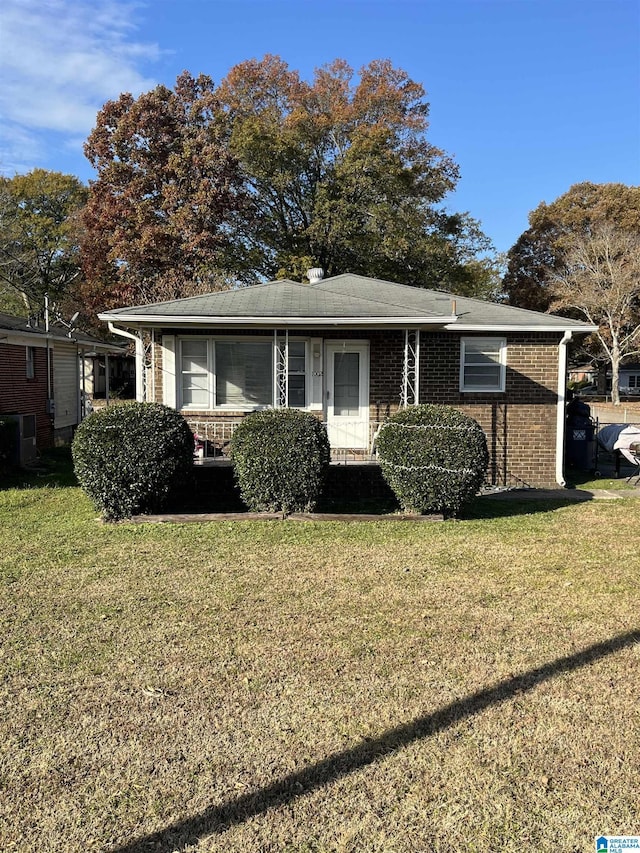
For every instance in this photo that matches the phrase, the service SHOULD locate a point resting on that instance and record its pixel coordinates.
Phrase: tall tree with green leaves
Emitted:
(163, 216)
(343, 176)
(39, 238)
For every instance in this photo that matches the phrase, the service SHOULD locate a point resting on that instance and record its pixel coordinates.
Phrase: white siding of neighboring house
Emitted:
(629, 379)
(66, 385)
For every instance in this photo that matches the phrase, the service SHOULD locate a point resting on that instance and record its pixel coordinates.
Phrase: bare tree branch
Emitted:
(600, 278)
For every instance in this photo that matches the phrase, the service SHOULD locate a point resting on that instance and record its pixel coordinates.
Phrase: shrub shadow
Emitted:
(493, 506)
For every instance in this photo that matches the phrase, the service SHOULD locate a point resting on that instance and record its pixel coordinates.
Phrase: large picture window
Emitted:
(483, 364)
(244, 374)
(237, 374)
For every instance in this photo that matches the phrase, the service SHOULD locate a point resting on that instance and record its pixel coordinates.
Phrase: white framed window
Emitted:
(195, 374)
(297, 368)
(634, 380)
(31, 363)
(483, 364)
(237, 374)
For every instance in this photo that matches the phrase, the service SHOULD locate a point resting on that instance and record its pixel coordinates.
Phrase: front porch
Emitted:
(213, 439)
(351, 486)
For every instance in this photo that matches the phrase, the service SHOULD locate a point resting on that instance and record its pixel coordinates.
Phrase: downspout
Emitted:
(82, 366)
(139, 358)
(560, 412)
(48, 342)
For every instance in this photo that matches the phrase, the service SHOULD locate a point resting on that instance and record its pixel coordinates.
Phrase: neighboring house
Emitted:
(108, 375)
(629, 379)
(601, 380)
(352, 350)
(40, 380)
(582, 373)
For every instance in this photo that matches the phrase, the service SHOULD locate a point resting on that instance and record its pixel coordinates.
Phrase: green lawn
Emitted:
(292, 686)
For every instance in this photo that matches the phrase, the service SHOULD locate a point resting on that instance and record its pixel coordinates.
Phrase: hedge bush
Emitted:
(130, 457)
(433, 457)
(280, 459)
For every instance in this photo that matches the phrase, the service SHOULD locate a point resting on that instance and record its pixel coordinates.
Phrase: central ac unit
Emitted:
(27, 451)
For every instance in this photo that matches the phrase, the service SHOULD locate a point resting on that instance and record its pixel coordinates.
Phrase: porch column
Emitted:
(82, 405)
(410, 390)
(140, 370)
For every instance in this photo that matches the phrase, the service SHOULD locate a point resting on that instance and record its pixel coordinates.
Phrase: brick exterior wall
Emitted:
(19, 395)
(520, 423)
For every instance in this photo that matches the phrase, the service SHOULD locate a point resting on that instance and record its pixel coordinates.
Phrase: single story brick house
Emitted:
(352, 350)
(41, 379)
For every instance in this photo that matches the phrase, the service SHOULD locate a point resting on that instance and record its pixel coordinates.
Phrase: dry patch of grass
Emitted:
(279, 686)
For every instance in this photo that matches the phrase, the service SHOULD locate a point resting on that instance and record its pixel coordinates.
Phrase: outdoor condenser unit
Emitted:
(26, 437)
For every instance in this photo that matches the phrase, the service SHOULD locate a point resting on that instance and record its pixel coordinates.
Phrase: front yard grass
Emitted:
(285, 686)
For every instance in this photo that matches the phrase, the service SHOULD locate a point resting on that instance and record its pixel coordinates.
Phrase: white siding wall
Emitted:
(66, 384)
(169, 370)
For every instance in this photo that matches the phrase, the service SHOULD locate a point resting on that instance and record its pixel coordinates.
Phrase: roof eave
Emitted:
(277, 322)
(519, 327)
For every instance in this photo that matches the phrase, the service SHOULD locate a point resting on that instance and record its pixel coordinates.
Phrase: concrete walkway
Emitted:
(564, 494)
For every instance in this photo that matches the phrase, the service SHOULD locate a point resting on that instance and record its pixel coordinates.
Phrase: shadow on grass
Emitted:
(495, 507)
(53, 468)
(216, 819)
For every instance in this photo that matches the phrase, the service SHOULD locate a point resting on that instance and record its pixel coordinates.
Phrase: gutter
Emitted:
(560, 411)
(490, 328)
(139, 358)
(265, 322)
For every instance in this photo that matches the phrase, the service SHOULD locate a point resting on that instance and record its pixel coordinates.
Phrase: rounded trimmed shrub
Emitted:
(433, 457)
(129, 457)
(280, 459)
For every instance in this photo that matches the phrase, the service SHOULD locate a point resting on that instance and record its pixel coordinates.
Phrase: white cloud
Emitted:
(60, 60)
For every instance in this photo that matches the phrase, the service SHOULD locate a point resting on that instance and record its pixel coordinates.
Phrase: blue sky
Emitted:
(529, 96)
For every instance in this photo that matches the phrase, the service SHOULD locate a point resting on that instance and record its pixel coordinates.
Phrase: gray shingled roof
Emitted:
(20, 325)
(343, 297)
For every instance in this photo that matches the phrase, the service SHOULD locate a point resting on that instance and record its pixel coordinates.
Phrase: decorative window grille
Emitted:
(411, 369)
(281, 369)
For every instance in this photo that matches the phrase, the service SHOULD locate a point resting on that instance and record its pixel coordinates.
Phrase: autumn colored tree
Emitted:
(267, 176)
(342, 175)
(162, 219)
(553, 230)
(600, 279)
(39, 238)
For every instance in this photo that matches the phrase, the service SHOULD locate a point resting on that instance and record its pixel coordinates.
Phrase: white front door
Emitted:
(347, 394)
